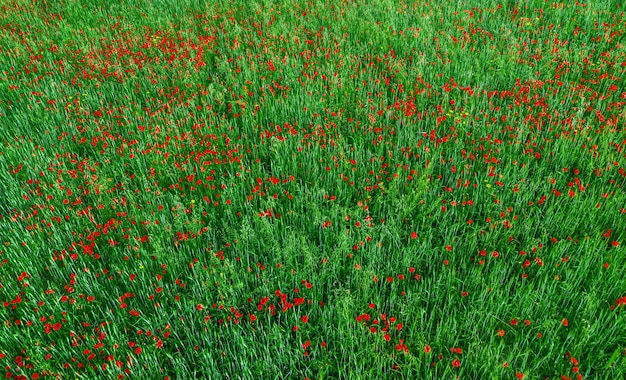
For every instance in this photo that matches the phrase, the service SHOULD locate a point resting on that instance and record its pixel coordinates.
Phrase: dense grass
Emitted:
(297, 189)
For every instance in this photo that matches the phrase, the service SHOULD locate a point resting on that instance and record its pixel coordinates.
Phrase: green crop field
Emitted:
(307, 189)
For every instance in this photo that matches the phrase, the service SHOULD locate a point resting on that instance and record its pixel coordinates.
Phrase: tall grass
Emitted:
(302, 189)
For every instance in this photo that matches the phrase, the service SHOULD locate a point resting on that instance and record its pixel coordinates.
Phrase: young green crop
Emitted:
(312, 190)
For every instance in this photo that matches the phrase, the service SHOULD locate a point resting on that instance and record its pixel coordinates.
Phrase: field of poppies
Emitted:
(296, 189)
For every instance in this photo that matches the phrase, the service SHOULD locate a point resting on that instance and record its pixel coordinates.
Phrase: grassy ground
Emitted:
(308, 189)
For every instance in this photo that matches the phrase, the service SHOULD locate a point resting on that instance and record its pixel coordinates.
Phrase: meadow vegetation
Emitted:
(312, 189)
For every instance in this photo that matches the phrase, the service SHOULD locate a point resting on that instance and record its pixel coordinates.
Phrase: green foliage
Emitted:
(304, 189)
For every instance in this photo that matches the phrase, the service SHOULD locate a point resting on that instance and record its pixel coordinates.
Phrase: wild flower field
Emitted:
(296, 189)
